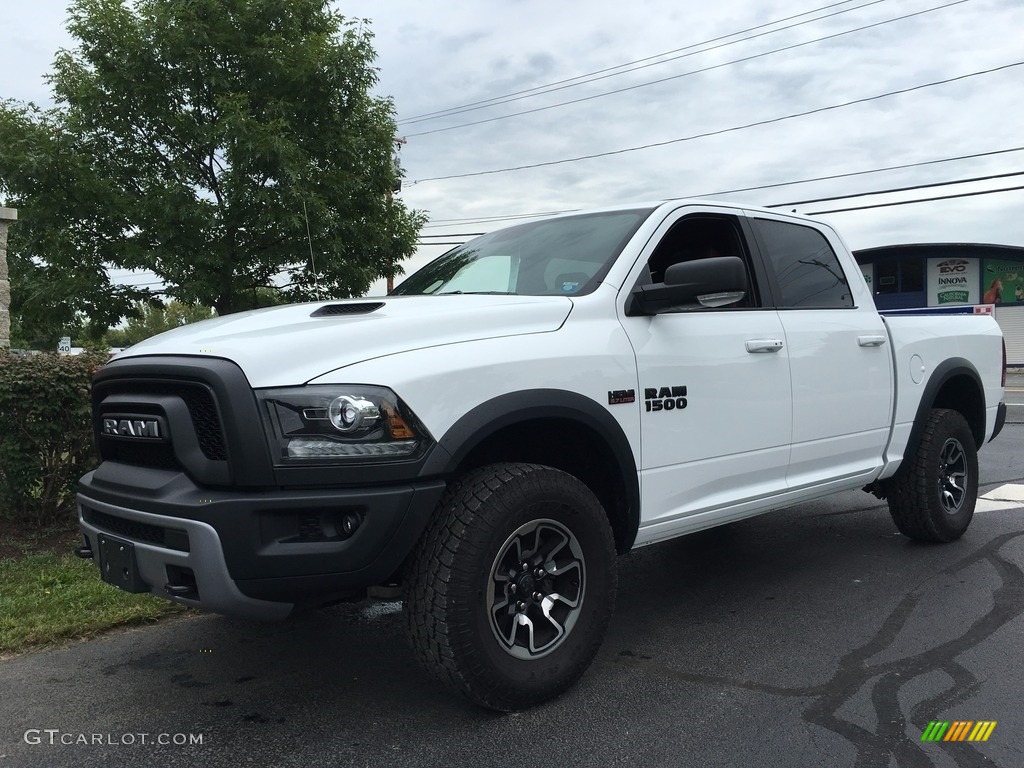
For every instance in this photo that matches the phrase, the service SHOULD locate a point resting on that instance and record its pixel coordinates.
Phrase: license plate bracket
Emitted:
(118, 565)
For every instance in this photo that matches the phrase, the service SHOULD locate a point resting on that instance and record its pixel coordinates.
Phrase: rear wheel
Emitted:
(932, 497)
(511, 590)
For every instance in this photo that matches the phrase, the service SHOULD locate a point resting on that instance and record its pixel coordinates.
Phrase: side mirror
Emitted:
(709, 283)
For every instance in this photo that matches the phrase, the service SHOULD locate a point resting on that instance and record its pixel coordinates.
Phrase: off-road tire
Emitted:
(464, 628)
(932, 496)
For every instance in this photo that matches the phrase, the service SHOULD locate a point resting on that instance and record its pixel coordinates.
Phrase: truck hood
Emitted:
(290, 345)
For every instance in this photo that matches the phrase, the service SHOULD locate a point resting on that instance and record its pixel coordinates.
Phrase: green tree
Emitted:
(152, 317)
(196, 139)
(67, 226)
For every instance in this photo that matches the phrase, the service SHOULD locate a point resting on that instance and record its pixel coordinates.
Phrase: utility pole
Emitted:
(7, 217)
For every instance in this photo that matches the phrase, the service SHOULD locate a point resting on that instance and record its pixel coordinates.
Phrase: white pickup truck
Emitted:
(517, 414)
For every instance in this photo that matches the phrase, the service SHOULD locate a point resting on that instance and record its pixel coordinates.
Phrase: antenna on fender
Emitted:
(312, 261)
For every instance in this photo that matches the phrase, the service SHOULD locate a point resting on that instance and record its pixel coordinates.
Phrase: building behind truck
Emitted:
(952, 276)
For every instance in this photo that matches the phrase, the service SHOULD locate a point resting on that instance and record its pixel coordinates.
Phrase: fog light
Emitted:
(350, 523)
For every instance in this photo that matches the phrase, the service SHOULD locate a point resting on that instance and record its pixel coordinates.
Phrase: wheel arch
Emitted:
(954, 384)
(562, 429)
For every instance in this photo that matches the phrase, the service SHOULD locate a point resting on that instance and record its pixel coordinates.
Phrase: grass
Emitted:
(47, 595)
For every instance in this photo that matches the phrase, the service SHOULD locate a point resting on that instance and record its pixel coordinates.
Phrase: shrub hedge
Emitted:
(46, 440)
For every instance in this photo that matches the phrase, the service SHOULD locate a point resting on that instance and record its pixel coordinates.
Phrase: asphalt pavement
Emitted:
(815, 636)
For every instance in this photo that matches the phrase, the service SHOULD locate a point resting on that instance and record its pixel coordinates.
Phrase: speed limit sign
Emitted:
(64, 347)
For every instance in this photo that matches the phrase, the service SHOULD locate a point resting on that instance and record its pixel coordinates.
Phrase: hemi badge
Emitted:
(619, 396)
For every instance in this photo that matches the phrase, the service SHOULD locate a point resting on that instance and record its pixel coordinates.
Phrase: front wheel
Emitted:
(932, 497)
(511, 590)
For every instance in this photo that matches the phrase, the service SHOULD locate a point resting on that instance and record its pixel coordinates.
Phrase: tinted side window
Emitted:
(806, 268)
(702, 236)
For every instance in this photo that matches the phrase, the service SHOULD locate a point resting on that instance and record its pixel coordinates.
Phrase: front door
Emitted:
(716, 409)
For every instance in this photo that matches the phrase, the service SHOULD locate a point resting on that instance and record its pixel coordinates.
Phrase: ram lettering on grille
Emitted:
(140, 428)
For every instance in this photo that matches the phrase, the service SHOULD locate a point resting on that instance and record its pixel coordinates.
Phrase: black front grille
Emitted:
(214, 430)
(202, 409)
(169, 538)
(205, 420)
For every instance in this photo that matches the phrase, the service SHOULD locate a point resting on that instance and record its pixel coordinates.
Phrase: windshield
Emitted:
(566, 256)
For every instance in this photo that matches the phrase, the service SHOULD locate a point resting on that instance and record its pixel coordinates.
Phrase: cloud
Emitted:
(438, 56)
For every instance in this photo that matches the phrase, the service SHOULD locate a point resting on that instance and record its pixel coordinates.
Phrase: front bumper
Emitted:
(256, 553)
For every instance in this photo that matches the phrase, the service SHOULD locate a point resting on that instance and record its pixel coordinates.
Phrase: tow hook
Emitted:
(84, 552)
(181, 590)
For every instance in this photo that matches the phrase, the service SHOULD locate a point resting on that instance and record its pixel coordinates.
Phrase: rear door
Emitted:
(838, 352)
(714, 397)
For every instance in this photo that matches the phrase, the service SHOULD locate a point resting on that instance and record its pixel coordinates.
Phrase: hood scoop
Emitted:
(331, 310)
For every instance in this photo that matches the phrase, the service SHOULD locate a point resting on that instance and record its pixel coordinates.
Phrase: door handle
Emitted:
(763, 345)
(871, 341)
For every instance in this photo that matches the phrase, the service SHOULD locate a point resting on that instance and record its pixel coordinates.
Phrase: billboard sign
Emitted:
(1003, 282)
(953, 281)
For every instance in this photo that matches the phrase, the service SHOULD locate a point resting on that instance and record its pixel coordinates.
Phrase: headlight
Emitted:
(333, 423)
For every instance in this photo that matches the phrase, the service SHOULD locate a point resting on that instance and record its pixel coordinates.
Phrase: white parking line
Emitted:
(984, 505)
(1008, 492)
(1007, 496)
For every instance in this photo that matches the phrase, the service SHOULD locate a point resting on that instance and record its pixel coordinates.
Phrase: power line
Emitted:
(809, 213)
(866, 194)
(875, 205)
(601, 74)
(861, 173)
(852, 195)
(920, 200)
(741, 60)
(899, 189)
(440, 223)
(732, 129)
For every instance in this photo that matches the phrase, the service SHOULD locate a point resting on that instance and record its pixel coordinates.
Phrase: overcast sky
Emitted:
(722, 66)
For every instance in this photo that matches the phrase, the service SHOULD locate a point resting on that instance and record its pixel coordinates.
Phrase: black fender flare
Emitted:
(491, 416)
(944, 372)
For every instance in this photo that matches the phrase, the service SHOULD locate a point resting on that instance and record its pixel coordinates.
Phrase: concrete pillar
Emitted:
(7, 217)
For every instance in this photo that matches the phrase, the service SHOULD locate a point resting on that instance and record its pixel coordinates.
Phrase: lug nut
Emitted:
(540, 573)
(521, 606)
(525, 566)
(537, 596)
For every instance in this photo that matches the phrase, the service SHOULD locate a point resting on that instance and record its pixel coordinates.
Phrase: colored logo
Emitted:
(958, 730)
(953, 297)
